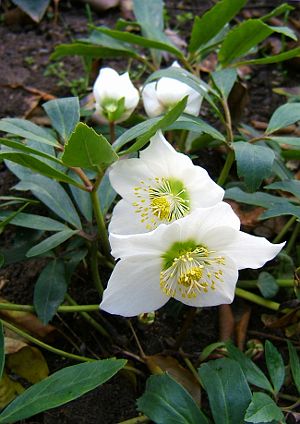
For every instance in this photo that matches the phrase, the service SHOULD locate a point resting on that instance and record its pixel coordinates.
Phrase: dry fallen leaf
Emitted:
(180, 374)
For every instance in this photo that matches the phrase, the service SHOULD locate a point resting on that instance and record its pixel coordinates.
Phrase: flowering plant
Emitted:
(173, 235)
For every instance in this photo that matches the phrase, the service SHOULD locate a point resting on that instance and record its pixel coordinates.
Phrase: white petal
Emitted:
(163, 159)
(223, 293)
(106, 85)
(202, 220)
(155, 242)
(251, 251)
(125, 221)
(151, 104)
(134, 287)
(126, 174)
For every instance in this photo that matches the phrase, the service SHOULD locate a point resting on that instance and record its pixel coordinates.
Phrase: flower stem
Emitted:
(94, 268)
(64, 309)
(261, 301)
(292, 238)
(88, 318)
(136, 420)
(284, 229)
(112, 132)
(226, 168)
(185, 327)
(46, 346)
(100, 223)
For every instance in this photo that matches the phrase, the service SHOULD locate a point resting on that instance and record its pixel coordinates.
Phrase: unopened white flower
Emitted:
(115, 95)
(159, 97)
(195, 260)
(159, 187)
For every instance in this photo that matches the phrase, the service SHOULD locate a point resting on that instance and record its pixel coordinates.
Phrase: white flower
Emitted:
(159, 187)
(159, 97)
(195, 260)
(116, 97)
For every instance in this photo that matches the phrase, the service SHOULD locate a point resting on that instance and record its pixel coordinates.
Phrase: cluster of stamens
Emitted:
(157, 202)
(191, 272)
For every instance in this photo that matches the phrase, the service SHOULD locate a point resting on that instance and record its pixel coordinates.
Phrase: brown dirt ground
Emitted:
(25, 50)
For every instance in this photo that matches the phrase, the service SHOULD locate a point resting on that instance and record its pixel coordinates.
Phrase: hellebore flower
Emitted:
(159, 97)
(159, 187)
(116, 97)
(195, 260)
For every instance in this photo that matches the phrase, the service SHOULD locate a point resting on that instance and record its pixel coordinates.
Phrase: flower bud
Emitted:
(159, 97)
(116, 97)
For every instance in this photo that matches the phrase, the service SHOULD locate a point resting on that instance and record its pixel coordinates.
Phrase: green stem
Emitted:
(226, 168)
(136, 420)
(253, 283)
(284, 229)
(261, 301)
(58, 351)
(182, 140)
(94, 268)
(112, 132)
(100, 223)
(46, 346)
(292, 238)
(88, 318)
(228, 120)
(63, 309)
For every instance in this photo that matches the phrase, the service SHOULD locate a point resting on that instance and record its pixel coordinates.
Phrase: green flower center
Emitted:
(190, 269)
(161, 200)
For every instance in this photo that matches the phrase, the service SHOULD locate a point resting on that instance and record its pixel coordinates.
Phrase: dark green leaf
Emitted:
(64, 115)
(280, 10)
(224, 80)
(82, 198)
(53, 195)
(25, 148)
(106, 194)
(36, 165)
(140, 41)
(35, 222)
(61, 387)
(259, 198)
(275, 366)
(267, 285)
(27, 130)
(1, 259)
(35, 9)
(89, 150)
(283, 116)
(295, 364)
(292, 186)
(212, 22)
(51, 242)
(285, 31)
(291, 141)
(241, 39)
(50, 290)
(81, 49)
(75, 257)
(254, 163)
(262, 409)
(228, 391)
(282, 208)
(2, 348)
(252, 373)
(104, 40)
(164, 122)
(272, 59)
(167, 402)
(193, 123)
(11, 217)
